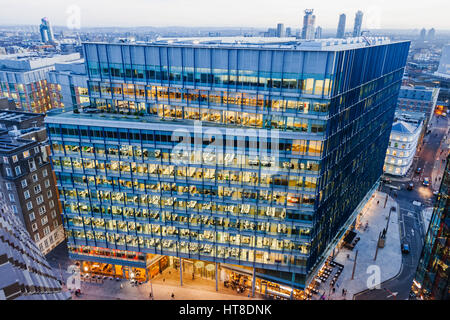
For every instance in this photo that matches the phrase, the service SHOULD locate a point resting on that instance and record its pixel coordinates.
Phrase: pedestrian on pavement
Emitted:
(173, 296)
(343, 291)
(334, 289)
(121, 286)
(150, 295)
(164, 280)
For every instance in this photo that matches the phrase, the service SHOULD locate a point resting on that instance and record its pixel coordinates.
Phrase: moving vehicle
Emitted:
(426, 182)
(385, 179)
(418, 170)
(405, 248)
(410, 186)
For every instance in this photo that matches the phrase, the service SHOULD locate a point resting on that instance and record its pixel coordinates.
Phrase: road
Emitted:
(410, 218)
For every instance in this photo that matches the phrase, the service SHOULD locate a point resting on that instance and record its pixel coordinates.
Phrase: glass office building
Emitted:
(245, 152)
(431, 281)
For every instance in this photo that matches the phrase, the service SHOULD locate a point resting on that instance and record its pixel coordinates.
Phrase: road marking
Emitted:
(394, 294)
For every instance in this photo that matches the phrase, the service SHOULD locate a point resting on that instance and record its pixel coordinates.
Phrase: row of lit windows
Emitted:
(240, 118)
(310, 84)
(213, 99)
(394, 153)
(101, 200)
(179, 173)
(137, 153)
(184, 152)
(184, 139)
(190, 191)
(201, 235)
(290, 200)
(187, 247)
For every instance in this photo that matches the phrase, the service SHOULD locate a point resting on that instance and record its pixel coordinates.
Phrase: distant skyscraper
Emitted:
(444, 63)
(423, 34)
(46, 31)
(358, 23)
(288, 32)
(341, 26)
(431, 34)
(308, 24)
(280, 30)
(318, 34)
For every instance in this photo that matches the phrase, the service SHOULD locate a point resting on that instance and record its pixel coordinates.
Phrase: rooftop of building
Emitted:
(28, 61)
(290, 43)
(76, 67)
(418, 93)
(10, 143)
(18, 116)
(405, 128)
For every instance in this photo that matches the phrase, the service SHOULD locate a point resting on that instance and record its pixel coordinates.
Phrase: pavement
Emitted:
(164, 284)
(368, 272)
(426, 217)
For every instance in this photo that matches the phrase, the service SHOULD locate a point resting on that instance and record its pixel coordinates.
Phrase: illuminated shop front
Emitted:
(118, 264)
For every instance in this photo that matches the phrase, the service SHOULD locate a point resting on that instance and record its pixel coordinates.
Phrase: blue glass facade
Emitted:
(431, 281)
(251, 156)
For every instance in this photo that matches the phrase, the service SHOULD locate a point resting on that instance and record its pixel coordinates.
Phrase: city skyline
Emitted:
(138, 13)
(212, 150)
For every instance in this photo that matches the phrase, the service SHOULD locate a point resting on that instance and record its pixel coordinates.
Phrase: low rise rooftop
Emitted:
(33, 60)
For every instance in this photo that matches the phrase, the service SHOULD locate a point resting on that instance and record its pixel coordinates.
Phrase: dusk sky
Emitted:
(401, 14)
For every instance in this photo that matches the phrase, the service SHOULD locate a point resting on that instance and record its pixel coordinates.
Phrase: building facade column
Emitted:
(181, 272)
(217, 280)
(253, 283)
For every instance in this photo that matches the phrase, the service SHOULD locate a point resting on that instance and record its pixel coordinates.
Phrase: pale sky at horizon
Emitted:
(385, 14)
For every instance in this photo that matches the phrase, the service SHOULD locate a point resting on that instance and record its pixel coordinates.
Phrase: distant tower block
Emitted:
(341, 26)
(308, 24)
(358, 23)
(46, 31)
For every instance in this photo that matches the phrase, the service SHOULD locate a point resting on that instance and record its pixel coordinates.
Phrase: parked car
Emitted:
(426, 182)
(410, 186)
(418, 170)
(405, 248)
(435, 192)
(386, 180)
